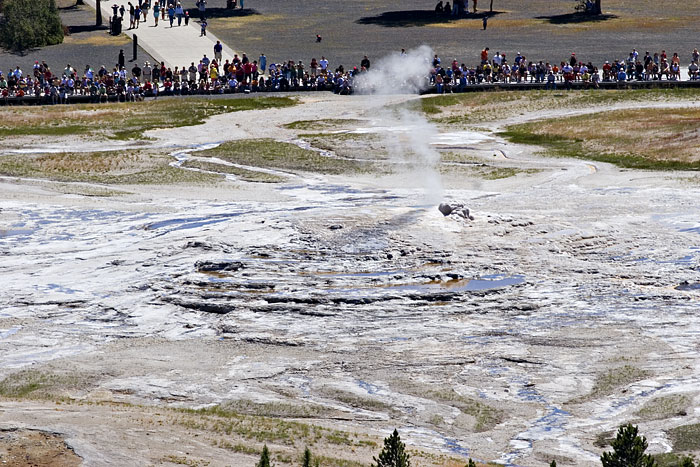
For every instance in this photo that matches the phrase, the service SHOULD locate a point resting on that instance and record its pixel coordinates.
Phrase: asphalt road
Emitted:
(540, 29)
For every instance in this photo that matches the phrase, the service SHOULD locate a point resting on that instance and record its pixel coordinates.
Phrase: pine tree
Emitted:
(628, 450)
(264, 458)
(393, 454)
(306, 461)
(687, 462)
(553, 464)
(471, 463)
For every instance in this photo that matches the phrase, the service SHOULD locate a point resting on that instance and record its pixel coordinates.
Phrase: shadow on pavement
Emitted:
(86, 28)
(223, 13)
(573, 18)
(409, 18)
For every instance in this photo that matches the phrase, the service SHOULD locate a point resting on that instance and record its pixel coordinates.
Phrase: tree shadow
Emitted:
(224, 13)
(19, 53)
(410, 18)
(573, 18)
(86, 28)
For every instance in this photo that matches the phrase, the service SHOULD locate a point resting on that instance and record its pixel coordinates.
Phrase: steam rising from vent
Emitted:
(409, 146)
(398, 74)
(407, 133)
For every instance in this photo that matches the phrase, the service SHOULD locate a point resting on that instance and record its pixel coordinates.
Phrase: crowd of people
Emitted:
(458, 7)
(243, 74)
(456, 77)
(139, 12)
(160, 9)
(208, 76)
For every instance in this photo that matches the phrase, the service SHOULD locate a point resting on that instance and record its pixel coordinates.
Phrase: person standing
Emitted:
(121, 58)
(202, 7)
(485, 56)
(132, 10)
(179, 12)
(218, 48)
(156, 13)
(263, 63)
(171, 14)
(203, 30)
(485, 22)
(147, 72)
(136, 72)
(365, 63)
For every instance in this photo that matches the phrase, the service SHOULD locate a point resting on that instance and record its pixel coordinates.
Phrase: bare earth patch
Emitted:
(28, 448)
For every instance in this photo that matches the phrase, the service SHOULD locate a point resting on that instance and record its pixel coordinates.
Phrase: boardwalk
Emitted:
(176, 46)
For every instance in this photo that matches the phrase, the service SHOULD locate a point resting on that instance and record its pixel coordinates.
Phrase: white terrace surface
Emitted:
(176, 46)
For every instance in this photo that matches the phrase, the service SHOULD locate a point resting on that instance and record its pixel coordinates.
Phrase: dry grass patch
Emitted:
(235, 22)
(475, 24)
(629, 23)
(242, 174)
(610, 381)
(125, 168)
(99, 39)
(368, 147)
(42, 385)
(664, 407)
(663, 139)
(269, 153)
(358, 401)
(478, 107)
(321, 124)
(486, 417)
(125, 120)
(685, 437)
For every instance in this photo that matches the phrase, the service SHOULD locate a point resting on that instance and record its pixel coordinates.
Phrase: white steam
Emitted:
(398, 74)
(410, 148)
(407, 133)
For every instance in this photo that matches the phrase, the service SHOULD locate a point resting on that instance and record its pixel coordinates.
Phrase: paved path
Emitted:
(176, 46)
